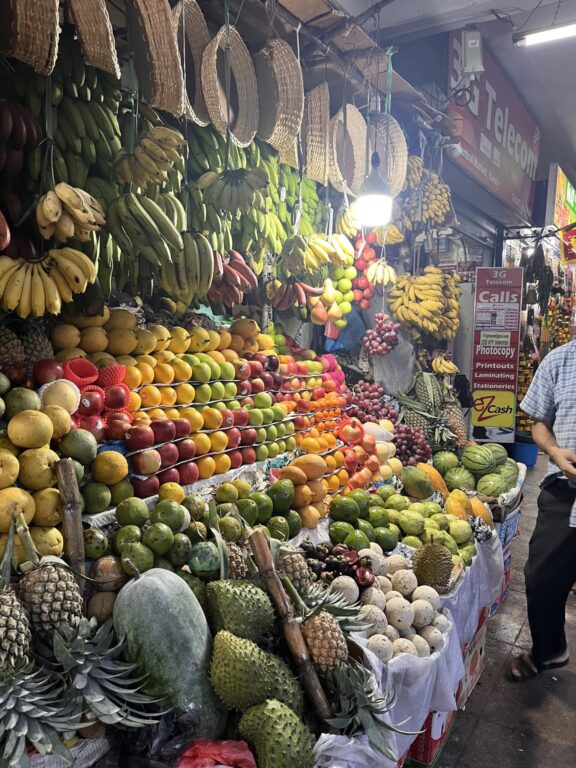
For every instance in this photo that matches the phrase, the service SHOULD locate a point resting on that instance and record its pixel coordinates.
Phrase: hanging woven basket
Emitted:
(348, 150)
(281, 89)
(156, 56)
(244, 107)
(316, 133)
(29, 31)
(94, 30)
(197, 38)
(390, 143)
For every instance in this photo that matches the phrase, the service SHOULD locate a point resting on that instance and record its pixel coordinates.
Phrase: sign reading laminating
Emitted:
(496, 350)
(498, 138)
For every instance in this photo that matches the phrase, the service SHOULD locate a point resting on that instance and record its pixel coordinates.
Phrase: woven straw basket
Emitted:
(30, 31)
(281, 95)
(96, 35)
(245, 115)
(316, 133)
(156, 54)
(351, 177)
(289, 155)
(390, 143)
(197, 38)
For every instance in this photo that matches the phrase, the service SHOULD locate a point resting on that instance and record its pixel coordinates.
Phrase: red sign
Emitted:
(499, 140)
(568, 246)
(498, 305)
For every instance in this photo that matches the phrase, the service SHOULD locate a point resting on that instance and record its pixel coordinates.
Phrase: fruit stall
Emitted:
(241, 519)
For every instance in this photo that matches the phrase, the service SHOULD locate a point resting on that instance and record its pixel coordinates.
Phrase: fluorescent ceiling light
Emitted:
(545, 35)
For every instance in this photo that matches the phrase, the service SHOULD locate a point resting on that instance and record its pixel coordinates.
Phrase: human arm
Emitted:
(564, 458)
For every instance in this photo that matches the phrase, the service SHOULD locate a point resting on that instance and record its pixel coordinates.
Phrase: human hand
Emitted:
(565, 460)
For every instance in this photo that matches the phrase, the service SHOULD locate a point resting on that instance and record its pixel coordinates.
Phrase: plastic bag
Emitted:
(205, 754)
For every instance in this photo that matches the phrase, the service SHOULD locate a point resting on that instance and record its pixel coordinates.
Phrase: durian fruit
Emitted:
(433, 565)
(278, 736)
(325, 641)
(243, 675)
(239, 607)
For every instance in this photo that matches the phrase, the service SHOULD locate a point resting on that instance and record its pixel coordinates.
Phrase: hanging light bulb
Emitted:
(373, 207)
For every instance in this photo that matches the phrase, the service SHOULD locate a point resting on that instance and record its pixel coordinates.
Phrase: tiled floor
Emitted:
(517, 726)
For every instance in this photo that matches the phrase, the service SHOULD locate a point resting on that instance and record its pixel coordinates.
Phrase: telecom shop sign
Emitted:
(499, 140)
(498, 304)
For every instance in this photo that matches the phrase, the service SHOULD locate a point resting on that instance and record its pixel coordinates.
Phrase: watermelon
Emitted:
(478, 459)
(499, 453)
(444, 461)
(460, 478)
(491, 485)
(508, 475)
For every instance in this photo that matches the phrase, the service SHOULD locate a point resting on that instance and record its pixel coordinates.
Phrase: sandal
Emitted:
(520, 669)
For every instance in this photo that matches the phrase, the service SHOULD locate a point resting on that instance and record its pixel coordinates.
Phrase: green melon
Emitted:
(491, 485)
(478, 459)
(443, 461)
(345, 509)
(460, 478)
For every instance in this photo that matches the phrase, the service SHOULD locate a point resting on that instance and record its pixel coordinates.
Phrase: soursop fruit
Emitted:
(278, 736)
(243, 675)
(239, 607)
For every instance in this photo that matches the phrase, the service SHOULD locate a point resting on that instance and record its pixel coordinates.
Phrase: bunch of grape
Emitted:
(384, 337)
(411, 445)
(370, 403)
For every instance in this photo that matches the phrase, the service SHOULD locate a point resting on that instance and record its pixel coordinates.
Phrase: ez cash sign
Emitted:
(498, 306)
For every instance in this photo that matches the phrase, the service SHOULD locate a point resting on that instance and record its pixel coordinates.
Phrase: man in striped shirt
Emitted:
(550, 570)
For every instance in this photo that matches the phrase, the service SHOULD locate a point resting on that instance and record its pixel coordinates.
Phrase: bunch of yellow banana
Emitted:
(414, 171)
(190, 273)
(444, 367)
(234, 190)
(67, 212)
(389, 235)
(428, 204)
(305, 254)
(346, 224)
(157, 153)
(40, 287)
(380, 273)
(427, 302)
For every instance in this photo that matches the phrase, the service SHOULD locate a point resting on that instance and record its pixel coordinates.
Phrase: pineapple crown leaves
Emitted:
(5, 564)
(347, 614)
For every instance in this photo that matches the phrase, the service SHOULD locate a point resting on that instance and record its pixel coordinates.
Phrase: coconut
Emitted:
(423, 613)
(429, 594)
(399, 613)
(421, 646)
(384, 583)
(374, 596)
(404, 581)
(378, 567)
(396, 563)
(433, 637)
(381, 647)
(371, 614)
(441, 622)
(402, 645)
(347, 587)
(391, 633)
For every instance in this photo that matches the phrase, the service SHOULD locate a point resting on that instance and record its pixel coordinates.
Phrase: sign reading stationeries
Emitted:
(499, 140)
(498, 305)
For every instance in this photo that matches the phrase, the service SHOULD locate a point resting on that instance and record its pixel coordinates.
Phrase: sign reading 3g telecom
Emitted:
(498, 305)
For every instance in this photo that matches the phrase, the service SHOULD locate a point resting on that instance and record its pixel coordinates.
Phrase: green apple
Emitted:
(279, 340)
(350, 273)
(230, 389)
(217, 390)
(263, 400)
(203, 394)
(255, 417)
(234, 405)
(281, 429)
(261, 435)
(338, 296)
(347, 298)
(339, 273)
(261, 452)
(344, 285)
(219, 406)
(290, 443)
(201, 372)
(273, 450)
(268, 415)
(212, 364)
(227, 371)
(281, 446)
(289, 428)
(192, 360)
(271, 432)
(279, 412)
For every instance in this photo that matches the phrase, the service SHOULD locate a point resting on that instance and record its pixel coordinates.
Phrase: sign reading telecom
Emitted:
(499, 140)
(498, 305)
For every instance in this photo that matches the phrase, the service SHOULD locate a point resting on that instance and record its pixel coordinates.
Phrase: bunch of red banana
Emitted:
(232, 279)
(20, 132)
(293, 293)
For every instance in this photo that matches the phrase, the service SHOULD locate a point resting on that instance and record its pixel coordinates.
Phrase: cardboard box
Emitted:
(425, 751)
(509, 528)
(474, 662)
(505, 581)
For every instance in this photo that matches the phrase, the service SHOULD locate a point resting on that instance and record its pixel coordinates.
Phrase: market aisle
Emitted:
(516, 726)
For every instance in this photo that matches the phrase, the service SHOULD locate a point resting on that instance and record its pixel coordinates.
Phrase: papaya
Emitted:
(302, 496)
(435, 478)
(458, 504)
(416, 483)
(319, 490)
(479, 509)
(248, 329)
(297, 475)
(314, 467)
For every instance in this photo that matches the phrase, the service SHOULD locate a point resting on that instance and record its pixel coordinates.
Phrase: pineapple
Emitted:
(293, 566)
(48, 588)
(454, 418)
(14, 624)
(36, 346)
(428, 392)
(237, 561)
(325, 641)
(11, 349)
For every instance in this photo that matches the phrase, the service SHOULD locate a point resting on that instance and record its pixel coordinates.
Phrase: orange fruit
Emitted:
(163, 374)
(150, 396)
(206, 467)
(343, 477)
(141, 417)
(168, 395)
(156, 414)
(309, 516)
(171, 491)
(133, 376)
(109, 467)
(218, 441)
(151, 361)
(182, 370)
(212, 418)
(146, 373)
(311, 445)
(185, 393)
(202, 442)
(134, 402)
(172, 413)
(338, 458)
(330, 439)
(195, 418)
(330, 463)
(222, 464)
(333, 483)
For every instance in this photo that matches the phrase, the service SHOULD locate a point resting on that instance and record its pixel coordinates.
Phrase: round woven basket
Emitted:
(96, 35)
(29, 31)
(244, 113)
(390, 143)
(157, 57)
(289, 155)
(281, 89)
(197, 38)
(352, 176)
(316, 133)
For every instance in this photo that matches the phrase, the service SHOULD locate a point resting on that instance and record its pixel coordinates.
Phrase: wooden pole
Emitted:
(290, 625)
(71, 519)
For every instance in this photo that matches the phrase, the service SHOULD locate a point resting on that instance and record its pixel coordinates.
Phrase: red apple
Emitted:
(147, 463)
(248, 455)
(246, 401)
(277, 380)
(268, 379)
(170, 475)
(183, 427)
(258, 386)
(235, 459)
(169, 454)
(256, 368)
(273, 362)
(302, 369)
(164, 430)
(293, 369)
(91, 403)
(188, 473)
(318, 393)
(186, 449)
(249, 436)
(116, 429)
(116, 396)
(241, 417)
(145, 487)
(45, 371)
(234, 437)
(227, 418)
(139, 437)
(242, 369)
(299, 422)
(283, 369)
(263, 359)
(94, 424)
(303, 406)
(243, 388)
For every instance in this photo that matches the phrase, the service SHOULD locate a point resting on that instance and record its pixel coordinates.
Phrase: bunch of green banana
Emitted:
(234, 191)
(190, 274)
(207, 152)
(155, 156)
